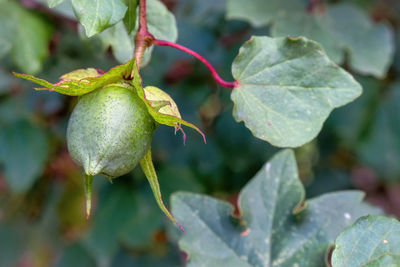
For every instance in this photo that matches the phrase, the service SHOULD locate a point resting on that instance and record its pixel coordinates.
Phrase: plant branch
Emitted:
(214, 73)
(142, 38)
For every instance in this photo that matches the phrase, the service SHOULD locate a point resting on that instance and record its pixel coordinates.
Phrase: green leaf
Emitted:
(146, 163)
(98, 15)
(53, 3)
(287, 88)
(7, 29)
(119, 40)
(370, 45)
(345, 28)
(372, 241)
(25, 35)
(60, 7)
(261, 12)
(130, 15)
(83, 81)
(385, 260)
(160, 22)
(24, 150)
(276, 227)
(31, 41)
(339, 28)
(313, 26)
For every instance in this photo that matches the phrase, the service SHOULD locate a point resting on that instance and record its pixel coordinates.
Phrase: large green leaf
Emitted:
(370, 46)
(287, 88)
(161, 23)
(345, 28)
(7, 29)
(53, 3)
(60, 7)
(372, 241)
(24, 150)
(338, 28)
(25, 35)
(275, 228)
(121, 43)
(313, 26)
(97, 15)
(261, 12)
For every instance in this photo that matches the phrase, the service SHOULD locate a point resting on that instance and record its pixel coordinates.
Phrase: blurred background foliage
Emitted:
(42, 221)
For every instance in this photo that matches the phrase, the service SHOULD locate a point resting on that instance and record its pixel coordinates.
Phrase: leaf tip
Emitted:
(16, 74)
(181, 228)
(204, 138)
(87, 212)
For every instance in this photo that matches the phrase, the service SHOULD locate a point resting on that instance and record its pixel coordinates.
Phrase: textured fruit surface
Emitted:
(109, 131)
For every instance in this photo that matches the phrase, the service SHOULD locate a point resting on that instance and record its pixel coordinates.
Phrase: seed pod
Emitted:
(109, 131)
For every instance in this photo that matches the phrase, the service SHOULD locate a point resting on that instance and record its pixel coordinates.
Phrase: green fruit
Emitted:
(109, 131)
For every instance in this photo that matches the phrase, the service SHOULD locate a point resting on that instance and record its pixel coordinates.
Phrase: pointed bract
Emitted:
(83, 81)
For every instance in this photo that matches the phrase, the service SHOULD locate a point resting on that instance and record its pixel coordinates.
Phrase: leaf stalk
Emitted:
(214, 73)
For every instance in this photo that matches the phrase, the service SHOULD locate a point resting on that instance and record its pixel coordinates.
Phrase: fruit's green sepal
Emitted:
(83, 81)
(148, 168)
(165, 114)
(88, 193)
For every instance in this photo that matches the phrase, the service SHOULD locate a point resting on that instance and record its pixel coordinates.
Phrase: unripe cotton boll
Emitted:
(109, 131)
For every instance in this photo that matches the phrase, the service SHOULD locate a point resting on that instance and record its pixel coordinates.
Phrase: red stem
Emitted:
(142, 38)
(215, 75)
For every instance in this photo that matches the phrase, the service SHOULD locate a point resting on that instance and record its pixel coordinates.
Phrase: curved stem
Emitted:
(214, 73)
